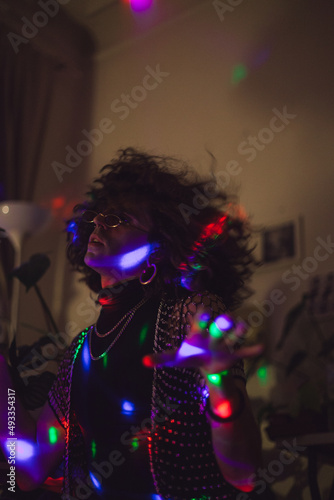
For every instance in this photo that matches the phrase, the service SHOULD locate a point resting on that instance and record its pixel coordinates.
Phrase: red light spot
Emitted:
(224, 409)
(147, 361)
(58, 203)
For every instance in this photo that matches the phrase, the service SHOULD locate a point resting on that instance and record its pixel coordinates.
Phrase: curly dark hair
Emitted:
(174, 197)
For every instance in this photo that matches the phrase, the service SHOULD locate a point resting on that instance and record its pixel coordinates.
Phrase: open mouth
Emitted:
(94, 241)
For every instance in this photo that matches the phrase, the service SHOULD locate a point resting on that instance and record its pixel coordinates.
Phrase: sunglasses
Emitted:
(110, 220)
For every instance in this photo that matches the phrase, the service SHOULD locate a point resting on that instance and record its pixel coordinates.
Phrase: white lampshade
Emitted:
(20, 219)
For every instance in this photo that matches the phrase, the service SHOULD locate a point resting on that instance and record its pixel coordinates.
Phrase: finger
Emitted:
(199, 322)
(159, 359)
(188, 355)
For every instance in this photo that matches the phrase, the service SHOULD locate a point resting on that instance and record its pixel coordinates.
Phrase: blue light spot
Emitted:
(156, 497)
(73, 228)
(95, 481)
(86, 357)
(128, 407)
(135, 257)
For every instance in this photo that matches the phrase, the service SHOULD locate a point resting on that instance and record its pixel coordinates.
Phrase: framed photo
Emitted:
(278, 243)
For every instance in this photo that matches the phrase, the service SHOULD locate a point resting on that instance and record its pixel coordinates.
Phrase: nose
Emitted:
(99, 220)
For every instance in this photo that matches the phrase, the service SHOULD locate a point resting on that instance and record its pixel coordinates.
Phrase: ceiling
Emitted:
(112, 22)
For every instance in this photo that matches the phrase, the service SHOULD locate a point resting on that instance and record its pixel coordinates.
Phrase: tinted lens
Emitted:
(112, 220)
(88, 216)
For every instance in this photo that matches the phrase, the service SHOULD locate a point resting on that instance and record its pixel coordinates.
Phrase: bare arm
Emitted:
(38, 446)
(237, 444)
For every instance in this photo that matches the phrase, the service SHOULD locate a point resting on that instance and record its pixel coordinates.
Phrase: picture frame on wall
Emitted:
(278, 243)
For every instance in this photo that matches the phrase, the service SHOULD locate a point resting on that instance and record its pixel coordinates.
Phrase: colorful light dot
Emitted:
(140, 5)
(86, 357)
(135, 257)
(239, 73)
(135, 443)
(262, 374)
(95, 481)
(224, 323)
(186, 350)
(215, 378)
(24, 450)
(215, 331)
(128, 407)
(93, 448)
(53, 435)
(224, 409)
(143, 334)
(105, 361)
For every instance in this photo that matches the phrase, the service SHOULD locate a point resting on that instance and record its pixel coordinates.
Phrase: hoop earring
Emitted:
(148, 274)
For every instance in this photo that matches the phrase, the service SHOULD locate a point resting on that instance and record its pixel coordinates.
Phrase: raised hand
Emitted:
(212, 347)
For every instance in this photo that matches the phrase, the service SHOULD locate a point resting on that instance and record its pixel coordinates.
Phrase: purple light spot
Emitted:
(140, 5)
(224, 323)
(135, 257)
(187, 350)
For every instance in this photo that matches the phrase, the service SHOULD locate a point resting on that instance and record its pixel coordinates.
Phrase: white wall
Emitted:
(287, 48)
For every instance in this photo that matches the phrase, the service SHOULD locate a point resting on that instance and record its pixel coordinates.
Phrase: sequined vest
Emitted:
(182, 460)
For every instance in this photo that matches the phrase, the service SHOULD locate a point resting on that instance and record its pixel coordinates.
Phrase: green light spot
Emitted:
(202, 324)
(214, 331)
(143, 334)
(105, 361)
(135, 443)
(262, 374)
(53, 435)
(93, 449)
(215, 378)
(239, 73)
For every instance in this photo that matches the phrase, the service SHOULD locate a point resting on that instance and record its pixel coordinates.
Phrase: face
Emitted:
(118, 253)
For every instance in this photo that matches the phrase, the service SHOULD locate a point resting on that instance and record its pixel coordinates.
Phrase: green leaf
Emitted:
(29, 273)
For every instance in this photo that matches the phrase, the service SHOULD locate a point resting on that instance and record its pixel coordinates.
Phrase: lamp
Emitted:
(20, 219)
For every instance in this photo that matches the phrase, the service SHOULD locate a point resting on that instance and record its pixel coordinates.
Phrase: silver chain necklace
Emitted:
(128, 317)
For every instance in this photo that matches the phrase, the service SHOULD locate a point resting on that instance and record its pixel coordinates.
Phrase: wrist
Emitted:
(226, 401)
(226, 410)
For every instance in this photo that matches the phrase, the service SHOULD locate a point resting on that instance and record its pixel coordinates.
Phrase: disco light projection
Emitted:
(20, 449)
(186, 351)
(135, 257)
(140, 5)
(239, 73)
(86, 357)
(143, 334)
(204, 320)
(93, 448)
(53, 435)
(216, 378)
(95, 482)
(215, 332)
(127, 407)
(72, 227)
(194, 262)
(224, 323)
(224, 409)
(262, 374)
(135, 443)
